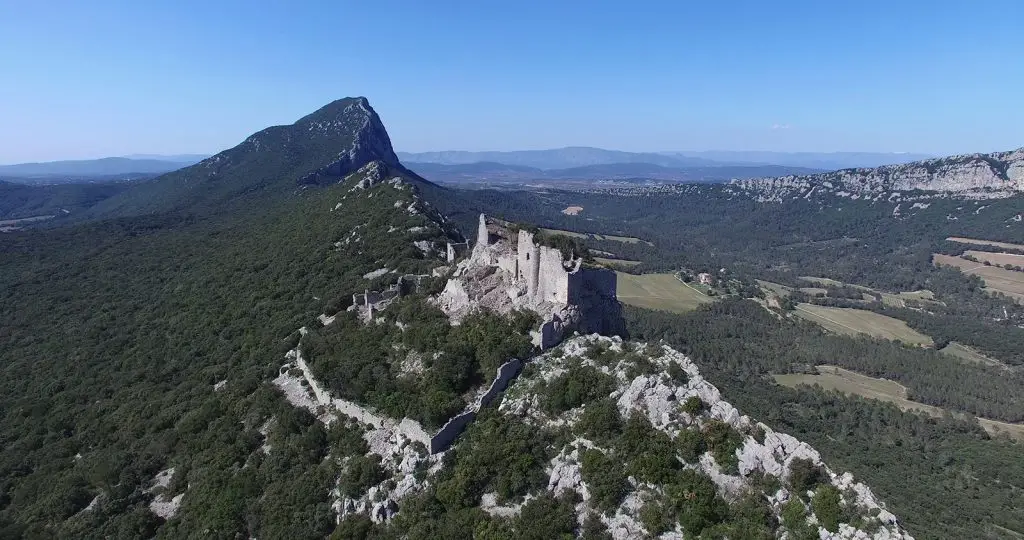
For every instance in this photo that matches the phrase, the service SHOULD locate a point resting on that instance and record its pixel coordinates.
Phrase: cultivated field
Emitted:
(849, 382)
(892, 299)
(985, 243)
(659, 291)
(592, 236)
(858, 321)
(997, 258)
(1008, 282)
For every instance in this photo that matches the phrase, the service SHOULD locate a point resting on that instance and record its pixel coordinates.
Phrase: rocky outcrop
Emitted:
(659, 398)
(996, 175)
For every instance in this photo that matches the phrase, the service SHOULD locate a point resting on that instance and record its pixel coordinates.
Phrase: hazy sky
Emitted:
(89, 79)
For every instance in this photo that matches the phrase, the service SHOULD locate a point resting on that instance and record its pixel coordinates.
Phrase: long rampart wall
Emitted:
(411, 429)
(457, 424)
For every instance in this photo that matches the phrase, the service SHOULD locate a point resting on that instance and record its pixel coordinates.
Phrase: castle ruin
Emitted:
(509, 269)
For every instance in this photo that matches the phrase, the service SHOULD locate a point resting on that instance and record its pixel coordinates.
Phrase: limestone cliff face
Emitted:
(368, 141)
(509, 270)
(995, 175)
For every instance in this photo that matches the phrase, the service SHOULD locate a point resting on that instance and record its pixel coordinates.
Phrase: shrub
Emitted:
(600, 421)
(578, 386)
(649, 454)
(546, 517)
(655, 518)
(826, 506)
(693, 406)
(360, 474)
(691, 445)
(495, 454)
(696, 501)
(605, 479)
(677, 373)
(793, 513)
(594, 529)
(804, 475)
(723, 441)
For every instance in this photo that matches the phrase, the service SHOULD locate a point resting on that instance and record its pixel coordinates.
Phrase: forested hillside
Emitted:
(116, 332)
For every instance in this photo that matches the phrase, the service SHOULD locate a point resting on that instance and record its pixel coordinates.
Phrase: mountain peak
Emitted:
(321, 148)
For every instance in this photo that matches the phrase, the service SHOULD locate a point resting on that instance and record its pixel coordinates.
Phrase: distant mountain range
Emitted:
(559, 158)
(499, 173)
(813, 160)
(570, 163)
(570, 157)
(111, 166)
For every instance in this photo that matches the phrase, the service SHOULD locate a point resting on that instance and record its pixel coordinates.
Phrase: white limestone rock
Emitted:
(973, 176)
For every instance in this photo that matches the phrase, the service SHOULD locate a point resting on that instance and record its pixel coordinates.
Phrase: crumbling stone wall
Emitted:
(448, 433)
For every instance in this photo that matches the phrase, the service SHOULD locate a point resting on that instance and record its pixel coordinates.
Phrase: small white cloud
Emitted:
(780, 126)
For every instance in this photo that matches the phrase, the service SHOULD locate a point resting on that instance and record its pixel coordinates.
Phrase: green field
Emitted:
(858, 321)
(659, 291)
(849, 382)
(592, 236)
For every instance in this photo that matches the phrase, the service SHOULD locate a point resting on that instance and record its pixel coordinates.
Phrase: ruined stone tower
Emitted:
(509, 269)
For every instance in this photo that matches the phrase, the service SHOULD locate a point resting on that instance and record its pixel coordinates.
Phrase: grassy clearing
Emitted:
(659, 291)
(1008, 282)
(977, 242)
(822, 281)
(775, 288)
(566, 233)
(858, 321)
(852, 383)
(968, 354)
(613, 262)
(592, 236)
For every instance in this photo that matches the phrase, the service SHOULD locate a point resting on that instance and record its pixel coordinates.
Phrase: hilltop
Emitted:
(319, 149)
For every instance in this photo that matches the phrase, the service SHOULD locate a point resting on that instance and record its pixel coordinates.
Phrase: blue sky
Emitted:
(90, 79)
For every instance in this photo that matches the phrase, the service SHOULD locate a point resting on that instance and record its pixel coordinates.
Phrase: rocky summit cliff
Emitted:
(972, 176)
(320, 148)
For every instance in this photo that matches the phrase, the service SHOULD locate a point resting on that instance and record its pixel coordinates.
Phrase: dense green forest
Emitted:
(115, 332)
(22, 201)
